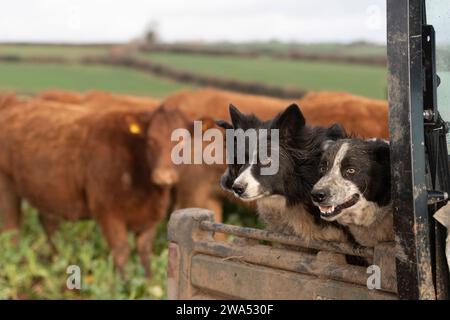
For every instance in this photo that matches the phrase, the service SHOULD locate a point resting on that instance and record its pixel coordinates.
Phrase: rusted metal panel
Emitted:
(184, 230)
(173, 271)
(384, 258)
(247, 281)
(286, 260)
(287, 240)
(215, 269)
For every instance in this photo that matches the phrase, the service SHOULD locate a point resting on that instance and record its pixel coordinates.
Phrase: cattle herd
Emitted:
(107, 157)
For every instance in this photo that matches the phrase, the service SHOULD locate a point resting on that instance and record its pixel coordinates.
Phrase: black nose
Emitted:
(239, 189)
(319, 195)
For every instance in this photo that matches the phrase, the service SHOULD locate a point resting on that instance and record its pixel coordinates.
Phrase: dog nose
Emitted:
(319, 195)
(239, 189)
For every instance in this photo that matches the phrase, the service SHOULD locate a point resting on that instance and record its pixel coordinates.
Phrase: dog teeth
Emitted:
(327, 209)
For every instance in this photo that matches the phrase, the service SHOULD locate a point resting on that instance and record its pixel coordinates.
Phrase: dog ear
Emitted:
(336, 131)
(326, 144)
(237, 118)
(289, 122)
(224, 124)
(381, 152)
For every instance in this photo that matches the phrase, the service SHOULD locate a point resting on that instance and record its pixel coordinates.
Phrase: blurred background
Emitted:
(155, 48)
(326, 45)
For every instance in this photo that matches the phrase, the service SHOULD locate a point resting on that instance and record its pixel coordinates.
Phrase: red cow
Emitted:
(71, 163)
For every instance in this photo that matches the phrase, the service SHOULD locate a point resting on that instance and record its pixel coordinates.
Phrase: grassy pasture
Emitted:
(68, 52)
(368, 81)
(33, 78)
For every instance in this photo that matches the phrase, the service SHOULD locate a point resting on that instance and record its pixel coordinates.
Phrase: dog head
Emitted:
(355, 181)
(267, 162)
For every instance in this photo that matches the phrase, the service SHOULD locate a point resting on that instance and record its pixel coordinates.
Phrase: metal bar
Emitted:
(288, 240)
(409, 190)
(431, 80)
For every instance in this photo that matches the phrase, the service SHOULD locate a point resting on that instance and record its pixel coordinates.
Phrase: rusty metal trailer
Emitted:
(266, 265)
(201, 267)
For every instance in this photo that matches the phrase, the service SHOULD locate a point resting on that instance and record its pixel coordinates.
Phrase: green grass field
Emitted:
(33, 78)
(362, 80)
(368, 81)
(68, 52)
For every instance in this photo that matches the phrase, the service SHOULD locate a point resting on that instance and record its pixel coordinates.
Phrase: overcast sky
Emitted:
(206, 20)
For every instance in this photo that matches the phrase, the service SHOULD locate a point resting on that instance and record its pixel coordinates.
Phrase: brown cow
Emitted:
(72, 163)
(362, 116)
(62, 96)
(99, 99)
(185, 194)
(367, 118)
(8, 99)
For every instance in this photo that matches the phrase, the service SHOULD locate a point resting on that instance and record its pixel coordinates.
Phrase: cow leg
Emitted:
(115, 232)
(9, 205)
(144, 244)
(50, 224)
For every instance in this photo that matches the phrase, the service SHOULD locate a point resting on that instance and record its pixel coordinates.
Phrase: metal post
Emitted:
(406, 122)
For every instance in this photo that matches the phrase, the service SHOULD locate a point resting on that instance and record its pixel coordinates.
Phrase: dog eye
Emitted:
(350, 171)
(322, 169)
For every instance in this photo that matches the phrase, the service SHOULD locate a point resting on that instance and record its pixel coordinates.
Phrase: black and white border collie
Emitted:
(355, 188)
(283, 199)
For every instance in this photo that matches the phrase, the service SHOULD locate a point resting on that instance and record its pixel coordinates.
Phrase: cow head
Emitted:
(155, 130)
(162, 123)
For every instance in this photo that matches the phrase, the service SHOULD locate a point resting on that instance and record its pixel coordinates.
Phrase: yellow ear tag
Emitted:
(135, 128)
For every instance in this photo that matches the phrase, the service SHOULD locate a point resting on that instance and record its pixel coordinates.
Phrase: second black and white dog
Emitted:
(283, 199)
(354, 189)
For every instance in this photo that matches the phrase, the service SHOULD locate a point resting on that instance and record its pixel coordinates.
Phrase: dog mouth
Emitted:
(246, 198)
(329, 212)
